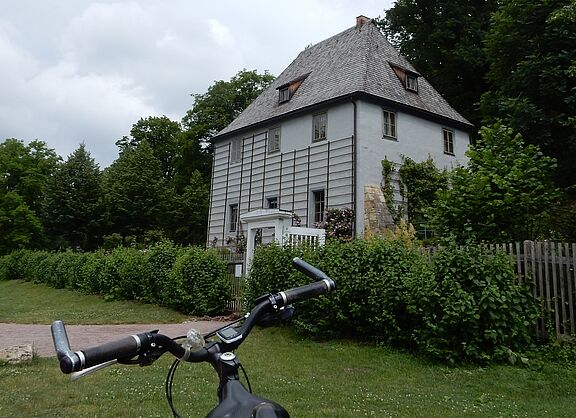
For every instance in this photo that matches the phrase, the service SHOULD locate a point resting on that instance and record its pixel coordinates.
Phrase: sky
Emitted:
(84, 71)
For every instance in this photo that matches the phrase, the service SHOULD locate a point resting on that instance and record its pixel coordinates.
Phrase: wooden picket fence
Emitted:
(550, 267)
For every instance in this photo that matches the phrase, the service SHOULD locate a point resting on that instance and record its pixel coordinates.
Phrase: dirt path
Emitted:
(84, 336)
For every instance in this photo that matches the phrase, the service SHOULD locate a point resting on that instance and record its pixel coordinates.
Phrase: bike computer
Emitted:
(228, 335)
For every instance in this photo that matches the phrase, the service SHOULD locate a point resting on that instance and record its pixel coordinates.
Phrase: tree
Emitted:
(24, 169)
(212, 112)
(188, 212)
(531, 47)
(19, 226)
(70, 210)
(505, 193)
(133, 193)
(443, 40)
(223, 102)
(162, 134)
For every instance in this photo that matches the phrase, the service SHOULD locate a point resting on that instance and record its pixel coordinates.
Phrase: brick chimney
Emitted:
(361, 20)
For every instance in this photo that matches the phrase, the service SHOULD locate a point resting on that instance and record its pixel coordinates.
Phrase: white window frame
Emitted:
(389, 124)
(274, 141)
(318, 206)
(233, 217)
(448, 141)
(236, 150)
(319, 126)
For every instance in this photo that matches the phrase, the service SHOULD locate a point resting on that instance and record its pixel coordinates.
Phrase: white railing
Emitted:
(296, 236)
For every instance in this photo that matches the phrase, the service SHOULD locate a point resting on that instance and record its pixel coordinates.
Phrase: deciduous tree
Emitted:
(531, 48)
(505, 193)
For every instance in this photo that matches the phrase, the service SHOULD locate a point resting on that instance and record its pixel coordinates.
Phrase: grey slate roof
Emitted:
(353, 61)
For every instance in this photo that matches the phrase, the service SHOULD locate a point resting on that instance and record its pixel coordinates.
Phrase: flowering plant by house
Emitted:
(338, 223)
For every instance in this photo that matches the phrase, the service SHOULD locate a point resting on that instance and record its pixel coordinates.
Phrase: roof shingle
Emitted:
(356, 60)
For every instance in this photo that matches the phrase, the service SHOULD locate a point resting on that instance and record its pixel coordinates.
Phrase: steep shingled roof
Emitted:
(356, 60)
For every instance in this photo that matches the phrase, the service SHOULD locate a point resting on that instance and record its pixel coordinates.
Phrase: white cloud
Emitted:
(87, 70)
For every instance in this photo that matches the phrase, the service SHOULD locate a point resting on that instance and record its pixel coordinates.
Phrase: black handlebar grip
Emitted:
(124, 348)
(307, 291)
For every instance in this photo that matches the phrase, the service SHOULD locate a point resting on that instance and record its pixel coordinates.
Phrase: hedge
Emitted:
(462, 304)
(191, 280)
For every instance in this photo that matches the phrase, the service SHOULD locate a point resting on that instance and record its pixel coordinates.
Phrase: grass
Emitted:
(310, 379)
(29, 303)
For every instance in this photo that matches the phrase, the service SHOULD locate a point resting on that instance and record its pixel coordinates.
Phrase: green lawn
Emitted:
(311, 379)
(29, 303)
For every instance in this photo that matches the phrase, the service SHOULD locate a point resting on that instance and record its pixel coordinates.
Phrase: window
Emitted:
(284, 94)
(389, 124)
(236, 150)
(273, 202)
(448, 137)
(273, 140)
(411, 82)
(233, 218)
(319, 122)
(319, 202)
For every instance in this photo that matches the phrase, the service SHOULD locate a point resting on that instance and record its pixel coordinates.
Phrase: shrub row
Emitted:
(191, 280)
(463, 304)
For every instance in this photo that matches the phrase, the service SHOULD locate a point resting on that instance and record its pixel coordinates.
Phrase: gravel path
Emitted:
(84, 336)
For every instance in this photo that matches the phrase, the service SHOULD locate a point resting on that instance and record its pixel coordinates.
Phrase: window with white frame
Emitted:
(319, 122)
(389, 124)
(274, 140)
(236, 150)
(233, 217)
(448, 137)
(319, 203)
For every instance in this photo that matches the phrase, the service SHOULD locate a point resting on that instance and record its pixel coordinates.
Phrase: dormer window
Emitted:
(408, 78)
(286, 91)
(284, 95)
(412, 82)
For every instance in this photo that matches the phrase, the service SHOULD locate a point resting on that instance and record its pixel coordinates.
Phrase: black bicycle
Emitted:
(216, 348)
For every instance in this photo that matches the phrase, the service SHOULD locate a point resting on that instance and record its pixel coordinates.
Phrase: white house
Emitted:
(316, 137)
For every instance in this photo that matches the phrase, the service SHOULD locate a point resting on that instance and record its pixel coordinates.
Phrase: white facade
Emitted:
(340, 165)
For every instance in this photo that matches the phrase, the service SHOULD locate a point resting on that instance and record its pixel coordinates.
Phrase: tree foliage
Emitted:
(505, 193)
(162, 134)
(443, 40)
(70, 210)
(24, 169)
(134, 192)
(223, 102)
(531, 47)
(19, 225)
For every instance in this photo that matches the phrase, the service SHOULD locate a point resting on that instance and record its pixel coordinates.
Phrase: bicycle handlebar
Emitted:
(129, 347)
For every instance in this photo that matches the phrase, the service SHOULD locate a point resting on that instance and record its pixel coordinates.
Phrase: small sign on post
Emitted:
(237, 270)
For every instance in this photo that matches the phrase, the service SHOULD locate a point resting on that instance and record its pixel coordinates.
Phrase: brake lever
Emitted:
(77, 375)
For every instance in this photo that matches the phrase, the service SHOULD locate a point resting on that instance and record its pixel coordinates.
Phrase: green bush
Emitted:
(478, 311)
(89, 274)
(464, 305)
(198, 284)
(11, 267)
(161, 259)
(192, 280)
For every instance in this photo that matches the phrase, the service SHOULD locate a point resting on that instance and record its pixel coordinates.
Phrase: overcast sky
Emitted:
(75, 71)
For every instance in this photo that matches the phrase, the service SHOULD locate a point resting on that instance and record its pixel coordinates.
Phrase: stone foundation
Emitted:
(377, 218)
